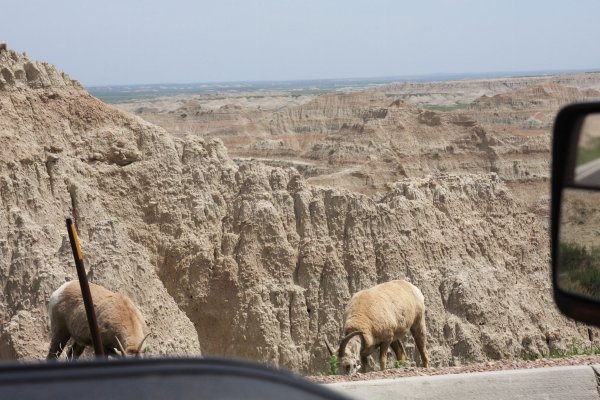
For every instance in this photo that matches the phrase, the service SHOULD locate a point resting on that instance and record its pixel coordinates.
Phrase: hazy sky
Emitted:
(176, 41)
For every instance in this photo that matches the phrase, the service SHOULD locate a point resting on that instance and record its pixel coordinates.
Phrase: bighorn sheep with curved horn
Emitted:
(120, 322)
(379, 317)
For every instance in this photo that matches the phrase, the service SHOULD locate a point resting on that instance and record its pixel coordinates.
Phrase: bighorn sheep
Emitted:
(2, 45)
(379, 317)
(120, 323)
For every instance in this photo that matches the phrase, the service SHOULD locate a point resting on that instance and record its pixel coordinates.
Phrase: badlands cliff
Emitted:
(363, 140)
(248, 260)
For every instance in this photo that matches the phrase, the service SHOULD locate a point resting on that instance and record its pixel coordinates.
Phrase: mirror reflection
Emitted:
(579, 251)
(587, 171)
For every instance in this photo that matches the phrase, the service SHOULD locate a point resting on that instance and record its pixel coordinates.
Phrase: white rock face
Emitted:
(249, 261)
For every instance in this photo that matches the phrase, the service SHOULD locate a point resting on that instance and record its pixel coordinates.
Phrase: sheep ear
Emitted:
(346, 339)
(329, 348)
(120, 347)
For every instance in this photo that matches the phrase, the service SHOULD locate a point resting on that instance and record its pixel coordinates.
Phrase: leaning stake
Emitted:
(85, 289)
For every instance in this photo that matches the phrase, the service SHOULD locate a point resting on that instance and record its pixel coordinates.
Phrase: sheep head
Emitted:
(131, 351)
(349, 352)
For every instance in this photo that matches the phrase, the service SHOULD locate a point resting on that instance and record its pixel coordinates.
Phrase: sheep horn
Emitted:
(329, 348)
(346, 339)
(142, 343)
(120, 346)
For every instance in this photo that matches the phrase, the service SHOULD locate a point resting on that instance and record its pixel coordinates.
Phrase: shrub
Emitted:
(333, 365)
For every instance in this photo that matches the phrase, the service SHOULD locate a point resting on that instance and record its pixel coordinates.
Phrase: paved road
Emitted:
(564, 383)
(588, 174)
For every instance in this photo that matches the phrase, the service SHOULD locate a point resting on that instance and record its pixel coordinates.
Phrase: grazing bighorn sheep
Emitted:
(120, 323)
(379, 317)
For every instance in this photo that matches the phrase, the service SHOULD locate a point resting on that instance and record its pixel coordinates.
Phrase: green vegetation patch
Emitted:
(573, 349)
(579, 269)
(589, 152)
(445, 108)
(333, 365)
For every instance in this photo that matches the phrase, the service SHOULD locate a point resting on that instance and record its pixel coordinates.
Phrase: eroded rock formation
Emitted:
(250, 260)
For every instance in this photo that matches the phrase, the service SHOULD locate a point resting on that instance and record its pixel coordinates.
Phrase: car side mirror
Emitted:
(575, 212)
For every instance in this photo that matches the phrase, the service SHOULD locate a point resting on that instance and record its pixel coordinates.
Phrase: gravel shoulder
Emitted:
(500, 365)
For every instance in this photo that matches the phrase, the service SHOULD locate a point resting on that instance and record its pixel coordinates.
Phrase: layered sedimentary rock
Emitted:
(248, 260)
(363, 140)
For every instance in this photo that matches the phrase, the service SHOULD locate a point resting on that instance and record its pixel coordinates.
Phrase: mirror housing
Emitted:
(565, 172)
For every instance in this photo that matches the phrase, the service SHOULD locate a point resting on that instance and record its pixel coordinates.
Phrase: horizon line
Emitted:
(457, 75)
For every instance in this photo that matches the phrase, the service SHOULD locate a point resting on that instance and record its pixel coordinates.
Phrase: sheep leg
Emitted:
(419, 333)
(57, 344)
(383, 350)
(399, 350)
(364, 362)
(75, 351)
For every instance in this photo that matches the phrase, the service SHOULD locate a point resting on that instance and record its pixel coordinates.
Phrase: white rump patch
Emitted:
(55, 296)
(418, 293)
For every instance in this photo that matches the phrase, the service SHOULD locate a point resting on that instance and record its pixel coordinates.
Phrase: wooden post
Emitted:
(85, 289)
